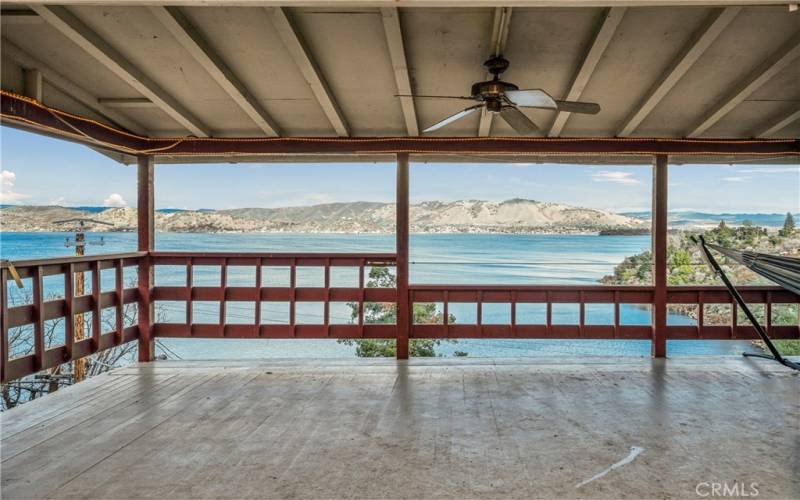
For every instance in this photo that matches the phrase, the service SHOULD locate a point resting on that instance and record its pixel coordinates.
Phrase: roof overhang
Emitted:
(254, 80)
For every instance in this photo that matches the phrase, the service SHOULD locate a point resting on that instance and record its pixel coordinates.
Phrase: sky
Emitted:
(38, 170)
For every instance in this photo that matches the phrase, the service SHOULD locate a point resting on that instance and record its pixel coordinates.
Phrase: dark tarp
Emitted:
(785, 271)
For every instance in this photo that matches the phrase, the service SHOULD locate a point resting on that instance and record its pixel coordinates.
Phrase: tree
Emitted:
(386, 313)
(788, 225)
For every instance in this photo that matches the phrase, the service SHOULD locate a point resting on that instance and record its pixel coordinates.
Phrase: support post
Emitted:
(401, 220)
(659, 243)
(146, 226)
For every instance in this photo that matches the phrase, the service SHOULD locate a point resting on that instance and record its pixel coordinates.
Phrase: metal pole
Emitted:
(401, 219)
(659, 242)
(146, 226)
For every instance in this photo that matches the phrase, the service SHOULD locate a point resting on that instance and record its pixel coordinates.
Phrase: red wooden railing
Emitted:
(614, 296)
(40, 309)
(259, 292)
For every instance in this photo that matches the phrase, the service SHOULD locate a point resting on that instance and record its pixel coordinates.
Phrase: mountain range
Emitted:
(510, 216)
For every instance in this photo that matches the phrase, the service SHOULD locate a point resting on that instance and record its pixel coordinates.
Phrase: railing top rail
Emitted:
(594, 286)
(544, 287)
(70, 259)
(716, 288)
(280, 255)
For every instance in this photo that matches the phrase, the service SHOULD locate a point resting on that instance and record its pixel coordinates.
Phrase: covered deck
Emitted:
(149, 81)
(514, 428)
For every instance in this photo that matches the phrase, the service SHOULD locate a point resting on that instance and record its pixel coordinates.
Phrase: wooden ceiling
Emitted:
(265, 68)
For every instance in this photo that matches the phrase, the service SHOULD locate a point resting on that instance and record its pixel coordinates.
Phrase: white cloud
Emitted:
(615, 176)
(772, 170)
(736, 179)
(7, 193)
(60, 201)
(115, 200)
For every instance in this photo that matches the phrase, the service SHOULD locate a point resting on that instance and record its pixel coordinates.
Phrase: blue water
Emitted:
(435, 258)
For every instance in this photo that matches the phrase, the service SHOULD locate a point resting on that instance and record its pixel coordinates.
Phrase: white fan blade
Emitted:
(451, 119)
(518, 121)
(534, 98)
(587, 108)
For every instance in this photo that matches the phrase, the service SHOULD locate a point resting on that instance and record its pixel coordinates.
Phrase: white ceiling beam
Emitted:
(500, 25)
(308, 67)
(716, 22)
(194, 43)
(74, 29)
(397, 53)
(771, 128)
(605, 32)
(776, 62)
(69, 88)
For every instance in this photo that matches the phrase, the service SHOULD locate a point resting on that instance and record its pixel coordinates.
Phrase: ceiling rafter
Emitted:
(68, 87)
(304, 60)
(500, 26)
(772, 127)
(397, 53)
(713, 26)
(194, 43)
(611, 19)
(74, 29)
(773, 64)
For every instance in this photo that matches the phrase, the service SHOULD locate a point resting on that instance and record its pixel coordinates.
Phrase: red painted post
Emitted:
(3, 323)
(659, 242)
(146, 225)
(401, 219)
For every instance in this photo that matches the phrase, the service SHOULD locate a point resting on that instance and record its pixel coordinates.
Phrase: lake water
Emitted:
(435, 258)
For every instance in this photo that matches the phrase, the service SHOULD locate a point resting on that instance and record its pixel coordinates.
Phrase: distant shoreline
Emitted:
(344, 233)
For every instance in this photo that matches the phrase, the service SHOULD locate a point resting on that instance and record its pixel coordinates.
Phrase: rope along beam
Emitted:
(28, 113)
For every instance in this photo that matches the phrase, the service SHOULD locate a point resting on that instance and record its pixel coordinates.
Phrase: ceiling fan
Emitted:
(505, 99)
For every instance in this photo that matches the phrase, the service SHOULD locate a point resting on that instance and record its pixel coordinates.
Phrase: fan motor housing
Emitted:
(492, 93)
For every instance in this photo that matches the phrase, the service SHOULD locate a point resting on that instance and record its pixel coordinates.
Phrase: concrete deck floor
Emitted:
(428, 428)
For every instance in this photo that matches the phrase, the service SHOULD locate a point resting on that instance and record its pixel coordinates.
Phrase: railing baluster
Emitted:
(69, 318)
(701, 314)
(513, 313)
(549, 318)
(327, 306)
(768, 313)
(293, 296)
(480, 312)
(223, 299)
(582, 315)
(446, 313)
(4, 323)
(38, 325)
(361, 297)
(259, 264)
(189, 288)
(120, 289)
(616, 314)
(96, 309)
